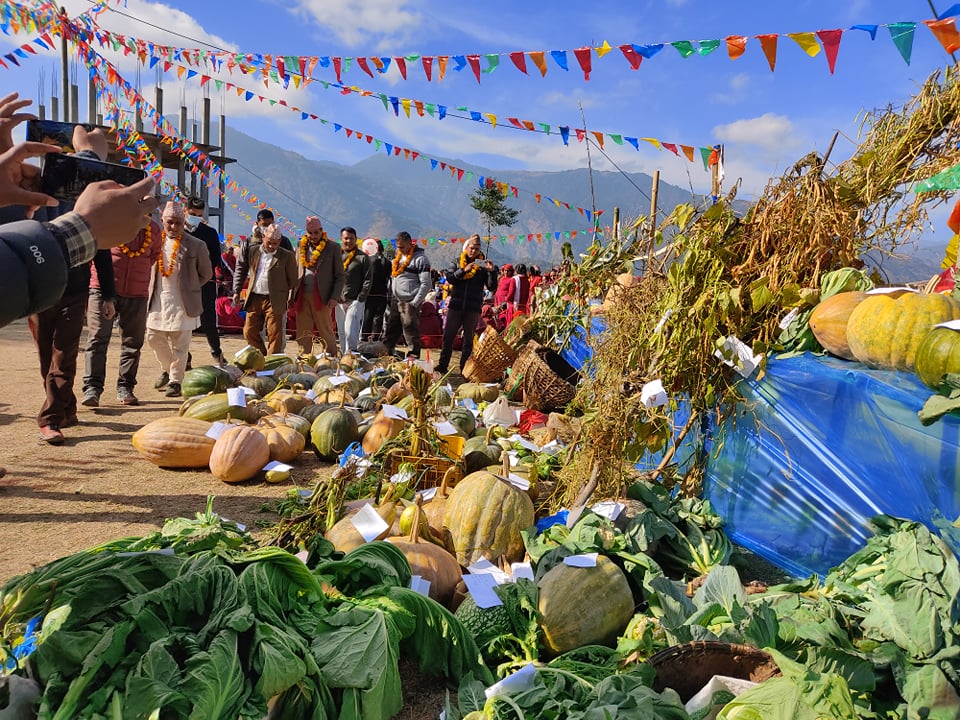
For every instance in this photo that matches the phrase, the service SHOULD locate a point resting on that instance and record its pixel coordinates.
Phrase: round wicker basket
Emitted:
(688, 668)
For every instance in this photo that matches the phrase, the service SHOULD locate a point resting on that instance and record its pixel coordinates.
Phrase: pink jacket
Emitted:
(132, 275)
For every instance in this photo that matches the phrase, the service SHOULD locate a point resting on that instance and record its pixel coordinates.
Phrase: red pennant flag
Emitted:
(474, 61)
(671, 147)
(396, 150)
(302, 62)
(584, 56)
(348, 131)
(336, 67)
(281, 68)
(414, 154)
(427, 66)
(401, 66)
(204, 79)
(538, 60)
(520, 60)
(537, 196)
(515, 122)
(632, 56)
(831, 45)
(581, 134)
(736, 46)
(946, 33)
(515, 191)
(768, 43)
(443, 166)
(369, 139)
(362, 62)
(459, 174)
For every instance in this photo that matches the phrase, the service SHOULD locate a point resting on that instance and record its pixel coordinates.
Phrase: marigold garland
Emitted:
(167, 271)
(348, 258)
(397, 267)
(463, 264)
(311, 263)
(144, 246)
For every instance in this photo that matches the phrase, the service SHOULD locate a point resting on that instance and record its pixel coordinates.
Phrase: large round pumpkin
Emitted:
(937, 355)
(204, 379)
(464, 420)
(478, 392)
(885, 333)
(332, 432)
(285, 442)
(380, 431)
(583, 606)
(828, 322)
(485, 515)
(238, 454)
(175, 442)
(290, 400)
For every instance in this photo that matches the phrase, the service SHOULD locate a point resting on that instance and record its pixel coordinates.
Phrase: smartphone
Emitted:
(54, 133)
(65, 176)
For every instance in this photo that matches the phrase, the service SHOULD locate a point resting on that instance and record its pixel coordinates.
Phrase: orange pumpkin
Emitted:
(429, 561)
(239, 454)
(828, 322)
(175, 442)
(381, 430)
(285, 442)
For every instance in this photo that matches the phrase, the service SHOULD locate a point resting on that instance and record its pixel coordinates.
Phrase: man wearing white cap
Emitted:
(175, 299)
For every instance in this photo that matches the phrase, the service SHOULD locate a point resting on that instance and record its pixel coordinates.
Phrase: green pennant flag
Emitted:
(412, 58)
(545, 127)
(385, 100)
(618, 139)
(947, 180)
(463, 108)
(708, 46)
(376, 144)
(469, 176)
(275, 76)
(684, 47)
(493, 60)
(219, 84)
(430, 108)
(902, 35)
(705, 154)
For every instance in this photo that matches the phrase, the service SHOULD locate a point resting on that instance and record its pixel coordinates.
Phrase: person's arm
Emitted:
(241, 272)
(293, 276)
(204, 267)
(367, 280)
(103, 261)
(33, 267)
(426, 283)
(339, 276)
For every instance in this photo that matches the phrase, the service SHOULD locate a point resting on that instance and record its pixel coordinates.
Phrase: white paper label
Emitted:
(394, 413)
(485, 567)
(445, 428)
(302, 556)
(518, 481)
(950, 325)
(405, 476)
(428, 494)
(336, 380)
(789, 318)
(609, 509)
(469, 404)
(739, 356)
(248, 391)
(481, 588)
(310, 394)
(368, 523)
(524, 443)
(236, 397)
(653, 395)
(216, 430)
(520, 681)
(265, 373)
(277, 465)
(521, 570)
(888, 290)
(241, 351)
(420, 585)
(586, 560)
(304, 493)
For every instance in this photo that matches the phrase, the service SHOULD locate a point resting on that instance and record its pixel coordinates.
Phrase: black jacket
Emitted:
(211, 239)
(466, 294)
(380, 285)
(33, 269)
(359, 278)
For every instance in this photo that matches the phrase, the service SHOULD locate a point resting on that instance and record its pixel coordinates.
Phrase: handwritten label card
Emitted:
(236, 397)
(481, 588)
(216, 430)
(445, 428)
(420, 585)
(485, 567)
(277, 465)
(521, 570)
(428, 494)
(653, 395)
(609, 509)
(520, 681)
(369, 524)
(586, 560)
(950, 325)
(336, 380)
(241, 351)
(394, 413)
(265, 373)
(524, 443)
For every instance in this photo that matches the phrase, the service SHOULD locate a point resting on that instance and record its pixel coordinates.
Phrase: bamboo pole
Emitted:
(654, 191)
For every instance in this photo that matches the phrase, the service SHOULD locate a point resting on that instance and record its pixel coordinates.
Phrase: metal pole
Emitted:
(205, 139)
(91, 101)
(222, 139)
(182, 167)
(74, 103)
(64, 63)
(54, 108)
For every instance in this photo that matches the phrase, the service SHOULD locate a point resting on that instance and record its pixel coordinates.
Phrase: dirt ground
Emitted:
(57, 500)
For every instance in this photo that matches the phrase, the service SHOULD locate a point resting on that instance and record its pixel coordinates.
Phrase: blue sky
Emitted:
(766, 120)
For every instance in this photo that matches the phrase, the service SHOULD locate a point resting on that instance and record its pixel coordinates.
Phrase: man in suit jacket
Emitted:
(174, 300)
(272, 271)
(319, 288)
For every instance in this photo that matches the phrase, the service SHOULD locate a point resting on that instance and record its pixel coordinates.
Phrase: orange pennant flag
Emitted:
(807, 42)
(180, 71)
(538, 60)
(418, 104)
(442, 63)
(736, 45)
(946, 33)
(769, 45)
(687, 151)
(599, 137)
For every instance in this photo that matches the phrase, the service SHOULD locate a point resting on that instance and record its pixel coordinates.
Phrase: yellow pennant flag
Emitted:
(405, 102)
(807, 42)
(603, 49)
(492, 118)
(296, 81)
(654, 142)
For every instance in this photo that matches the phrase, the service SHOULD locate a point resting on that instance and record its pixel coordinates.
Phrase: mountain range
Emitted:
(382, 195)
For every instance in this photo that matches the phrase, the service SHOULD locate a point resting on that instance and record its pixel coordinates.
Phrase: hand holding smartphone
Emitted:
(65, 176)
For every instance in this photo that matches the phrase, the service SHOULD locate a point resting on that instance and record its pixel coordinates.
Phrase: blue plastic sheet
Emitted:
(820, 447)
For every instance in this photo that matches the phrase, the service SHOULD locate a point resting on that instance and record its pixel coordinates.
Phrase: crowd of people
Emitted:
(109, 261)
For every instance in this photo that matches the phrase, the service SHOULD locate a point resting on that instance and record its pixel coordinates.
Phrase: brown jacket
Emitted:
(281, 275)
(195, 270)
(328, 275)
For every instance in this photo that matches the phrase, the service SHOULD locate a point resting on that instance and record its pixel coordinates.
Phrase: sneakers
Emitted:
(126, 397)
(218, 358)
(51, 435)
(91, 399)
(162, 381)
(173, 390)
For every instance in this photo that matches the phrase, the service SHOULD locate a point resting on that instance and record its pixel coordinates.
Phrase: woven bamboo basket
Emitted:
(430, 469)
(688, 668)
(490, 358)
(549, 382)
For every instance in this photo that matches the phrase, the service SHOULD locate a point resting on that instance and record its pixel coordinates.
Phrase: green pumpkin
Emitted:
(477, 392)
(480, 452)
(217, 407)
(204, 379)
(464, 420)
(937, 355)
(304, 379)
(366, 403)
(260, 384)
(332, 432)
(249, 359)
(383, 380)
(297, 422)
(353, 385)
(272, 362)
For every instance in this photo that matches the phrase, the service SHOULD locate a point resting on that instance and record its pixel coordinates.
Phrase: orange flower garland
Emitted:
(463, 264)
(167, 271)
(311, 262)
(144, 246)
(399, 268)
(348, 258)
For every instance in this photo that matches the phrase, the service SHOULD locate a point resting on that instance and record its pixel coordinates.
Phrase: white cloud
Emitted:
(769, 131)
(358, 21)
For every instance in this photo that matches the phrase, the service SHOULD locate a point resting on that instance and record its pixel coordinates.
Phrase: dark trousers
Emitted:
(402, 319)
(132, 319)
(208, 318)
(56, 332)
(456, 319)
(373, 313)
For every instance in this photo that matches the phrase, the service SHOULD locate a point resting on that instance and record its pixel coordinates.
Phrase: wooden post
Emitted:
(64, 66)
(654, 191)
(616, 224)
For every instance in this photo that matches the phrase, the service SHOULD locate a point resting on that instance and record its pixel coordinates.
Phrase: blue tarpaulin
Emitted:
(820, 446)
